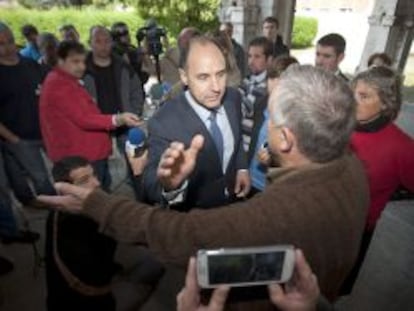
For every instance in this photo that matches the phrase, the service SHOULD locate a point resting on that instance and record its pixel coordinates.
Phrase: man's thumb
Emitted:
(196, 144)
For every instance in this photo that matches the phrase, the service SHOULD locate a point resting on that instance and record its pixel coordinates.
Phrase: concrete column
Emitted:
(391, 31)
(244, 15)
(247, 17)
(284, 11)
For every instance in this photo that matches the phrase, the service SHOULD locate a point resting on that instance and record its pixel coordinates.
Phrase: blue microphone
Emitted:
(136, 142)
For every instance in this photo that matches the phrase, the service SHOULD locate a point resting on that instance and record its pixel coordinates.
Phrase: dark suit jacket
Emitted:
(177, 121)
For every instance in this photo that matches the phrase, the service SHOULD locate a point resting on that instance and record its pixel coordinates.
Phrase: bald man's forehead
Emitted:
(101, 32)
(195, 48)
(198, 50)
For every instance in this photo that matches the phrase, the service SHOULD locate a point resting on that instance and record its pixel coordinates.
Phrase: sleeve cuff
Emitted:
(175, 196)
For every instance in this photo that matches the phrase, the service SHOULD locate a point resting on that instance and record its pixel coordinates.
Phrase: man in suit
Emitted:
(206, 107)
(330, 52)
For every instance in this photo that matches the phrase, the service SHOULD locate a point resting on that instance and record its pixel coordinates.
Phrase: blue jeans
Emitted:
(26, 170)
(8, 226)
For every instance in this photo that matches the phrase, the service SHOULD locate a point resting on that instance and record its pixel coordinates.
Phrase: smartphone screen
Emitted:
(245, 268)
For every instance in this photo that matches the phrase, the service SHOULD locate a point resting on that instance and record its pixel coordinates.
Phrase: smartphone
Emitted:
(238, 267)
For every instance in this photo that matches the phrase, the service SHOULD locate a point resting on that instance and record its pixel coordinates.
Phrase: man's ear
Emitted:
(183, 76)
(287, 139)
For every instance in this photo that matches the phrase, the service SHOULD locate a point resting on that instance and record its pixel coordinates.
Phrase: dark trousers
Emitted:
(26, 170)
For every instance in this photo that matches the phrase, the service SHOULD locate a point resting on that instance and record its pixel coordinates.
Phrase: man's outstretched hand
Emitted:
(177, 163)
(70, 198)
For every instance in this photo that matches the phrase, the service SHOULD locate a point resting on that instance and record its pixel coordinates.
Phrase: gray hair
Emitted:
(387, 83)
(98, 28)
(5, 28)
(318, 108)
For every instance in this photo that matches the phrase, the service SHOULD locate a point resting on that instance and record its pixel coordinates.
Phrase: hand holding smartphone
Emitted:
(238, 267)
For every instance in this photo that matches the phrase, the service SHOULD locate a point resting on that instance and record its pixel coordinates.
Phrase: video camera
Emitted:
(153, 33)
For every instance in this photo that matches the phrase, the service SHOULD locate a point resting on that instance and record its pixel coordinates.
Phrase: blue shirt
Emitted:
(30, 51)
(257, 170)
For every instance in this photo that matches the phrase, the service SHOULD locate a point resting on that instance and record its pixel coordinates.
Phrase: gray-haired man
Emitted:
(316, 201)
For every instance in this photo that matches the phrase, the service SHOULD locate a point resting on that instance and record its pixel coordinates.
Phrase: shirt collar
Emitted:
(259, 78)
(68, 76)
(201, 111)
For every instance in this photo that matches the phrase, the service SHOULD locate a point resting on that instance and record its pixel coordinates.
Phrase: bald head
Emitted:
(8, 49)
(196, 42)
(98, 30)
(204, 71)
(4, 28)
(101, 42)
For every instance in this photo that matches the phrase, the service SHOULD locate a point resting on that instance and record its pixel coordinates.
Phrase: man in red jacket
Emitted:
(70, 120)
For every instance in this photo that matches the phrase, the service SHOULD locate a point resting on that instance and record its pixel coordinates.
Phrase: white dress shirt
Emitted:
(222, 122)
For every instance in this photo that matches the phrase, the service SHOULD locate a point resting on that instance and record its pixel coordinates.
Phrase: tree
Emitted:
(177, 14)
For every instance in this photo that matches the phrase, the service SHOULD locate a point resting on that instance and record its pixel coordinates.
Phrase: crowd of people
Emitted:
(249, 148)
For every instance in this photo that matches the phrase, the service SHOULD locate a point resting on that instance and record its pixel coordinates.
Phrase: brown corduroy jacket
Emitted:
(320, 208)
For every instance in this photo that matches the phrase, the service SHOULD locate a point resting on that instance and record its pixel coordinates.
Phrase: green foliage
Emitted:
(47, 4)
(101, 3)
(177, 14)
(30, 3)
(304, 31)
(52, 19)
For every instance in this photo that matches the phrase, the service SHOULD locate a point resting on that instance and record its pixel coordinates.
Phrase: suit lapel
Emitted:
(192, 120)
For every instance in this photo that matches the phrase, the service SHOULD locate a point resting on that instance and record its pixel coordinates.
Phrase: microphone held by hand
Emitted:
(136, 142)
